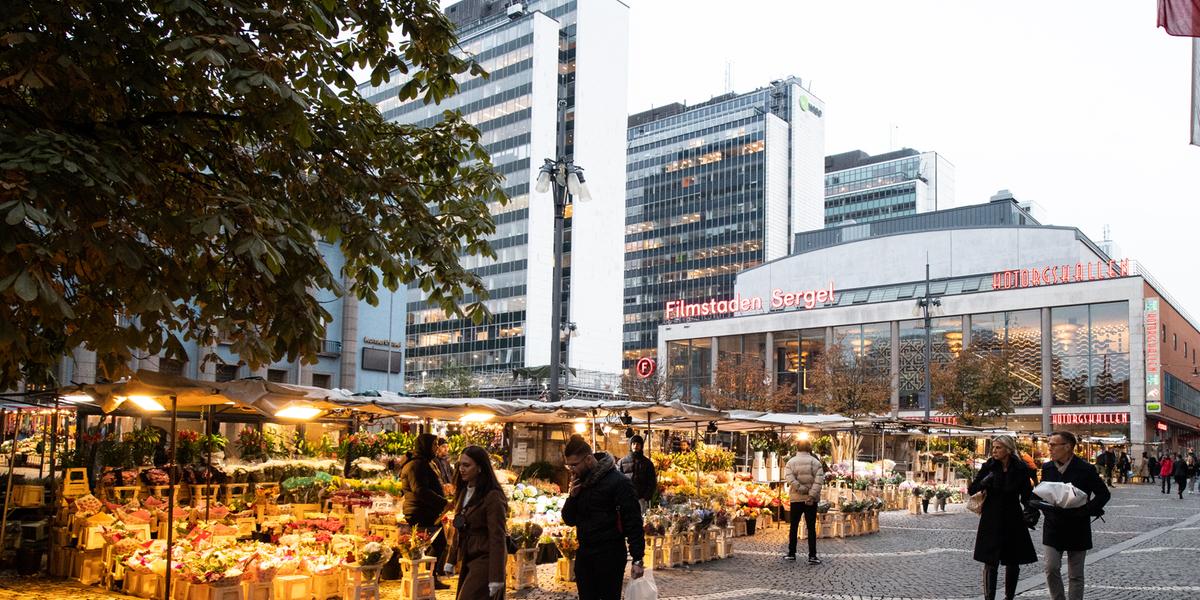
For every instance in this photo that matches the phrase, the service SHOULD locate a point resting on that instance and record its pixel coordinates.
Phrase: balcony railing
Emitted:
(330, 348)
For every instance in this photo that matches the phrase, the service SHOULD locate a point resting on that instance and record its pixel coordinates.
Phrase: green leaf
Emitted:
(25, 287)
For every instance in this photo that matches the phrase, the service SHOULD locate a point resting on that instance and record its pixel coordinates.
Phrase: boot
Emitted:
(1012, 574)
(990, 574)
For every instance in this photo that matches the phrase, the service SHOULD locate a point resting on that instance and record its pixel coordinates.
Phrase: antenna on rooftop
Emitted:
(728, 77)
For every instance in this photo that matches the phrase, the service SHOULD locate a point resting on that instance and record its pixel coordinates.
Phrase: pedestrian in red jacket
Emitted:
(1166, 466)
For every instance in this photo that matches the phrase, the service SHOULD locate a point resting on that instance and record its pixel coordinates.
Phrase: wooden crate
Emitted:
(142, 585)
(564, 569)
(655, 557)
(28, 496)
(230, 590)
(87, 566)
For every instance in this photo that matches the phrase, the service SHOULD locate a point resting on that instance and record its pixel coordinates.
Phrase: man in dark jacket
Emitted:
(603, 508)
(424, 497)
(1069, 530)
(640, 470)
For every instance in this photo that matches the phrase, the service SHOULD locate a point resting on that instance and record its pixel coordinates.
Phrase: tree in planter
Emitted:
(977, 385)
(171, 166)
(843, 383)
(744, 384)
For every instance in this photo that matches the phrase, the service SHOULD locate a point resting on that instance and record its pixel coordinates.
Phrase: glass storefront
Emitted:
(946, 342)
(1089, 361)
(1020, 332)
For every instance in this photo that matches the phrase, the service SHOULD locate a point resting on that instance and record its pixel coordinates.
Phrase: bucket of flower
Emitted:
(522, 566)
(567, 545)
(416, 570)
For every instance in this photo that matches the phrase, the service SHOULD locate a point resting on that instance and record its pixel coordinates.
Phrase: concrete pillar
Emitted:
(1047, 379)
(966, 339)
(714, 357)
(349, 359)
(895, 368)
(206, 371)
(769, 358)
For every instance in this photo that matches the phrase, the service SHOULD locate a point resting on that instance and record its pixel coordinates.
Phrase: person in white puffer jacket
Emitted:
(804, 475)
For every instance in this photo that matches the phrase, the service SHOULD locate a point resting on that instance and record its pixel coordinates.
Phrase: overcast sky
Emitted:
(1079, 105)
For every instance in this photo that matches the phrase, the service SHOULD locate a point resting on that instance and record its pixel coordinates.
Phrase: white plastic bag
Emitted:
(642, 588)
(1062, 495)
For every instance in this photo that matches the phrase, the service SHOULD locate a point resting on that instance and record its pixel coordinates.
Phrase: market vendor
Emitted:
(640, 470)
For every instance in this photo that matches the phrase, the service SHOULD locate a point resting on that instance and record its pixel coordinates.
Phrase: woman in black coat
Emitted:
(1003, 536)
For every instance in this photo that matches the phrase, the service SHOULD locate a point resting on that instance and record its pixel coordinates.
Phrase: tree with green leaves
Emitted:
(976, 385)
(455, 381)
(168, 169)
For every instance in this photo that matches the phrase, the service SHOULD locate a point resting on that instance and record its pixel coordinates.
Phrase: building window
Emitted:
(170, 366)
(1090, 354)
(322, 380)
(227, 372)
(277, 375)
(1020, 332)
(689, 367)
(947, 335)
(1175, 341)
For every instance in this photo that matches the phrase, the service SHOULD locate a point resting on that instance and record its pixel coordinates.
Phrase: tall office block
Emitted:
(861, 188)
(538, 54)
(714, 189)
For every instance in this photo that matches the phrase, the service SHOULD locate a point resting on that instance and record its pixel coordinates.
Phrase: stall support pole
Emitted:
(53, 446)
(594, 430)
(171, 501)
(208, 425)
(11, 468)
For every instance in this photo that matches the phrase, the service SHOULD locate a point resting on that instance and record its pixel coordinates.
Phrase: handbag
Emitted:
(975, 502)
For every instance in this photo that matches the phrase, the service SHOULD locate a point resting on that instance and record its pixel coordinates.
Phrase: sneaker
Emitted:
(791, 557)
(812, 560)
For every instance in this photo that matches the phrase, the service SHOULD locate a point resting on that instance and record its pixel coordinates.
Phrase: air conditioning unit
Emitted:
(516, 10)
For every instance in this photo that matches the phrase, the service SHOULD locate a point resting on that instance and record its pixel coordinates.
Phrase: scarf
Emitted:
(604, 464)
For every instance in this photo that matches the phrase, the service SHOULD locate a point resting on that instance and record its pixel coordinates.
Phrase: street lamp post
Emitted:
(925, 303)
(568, 181)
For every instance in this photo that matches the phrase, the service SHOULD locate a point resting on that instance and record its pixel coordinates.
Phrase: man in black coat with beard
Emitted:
(603, 508)
(1069, 530)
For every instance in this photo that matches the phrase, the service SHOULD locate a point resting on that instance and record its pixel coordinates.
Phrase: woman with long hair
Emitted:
(481, 511)
(1003, 535)
(425, 500)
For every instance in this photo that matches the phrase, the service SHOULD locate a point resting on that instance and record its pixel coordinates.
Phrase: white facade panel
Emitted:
(775, 196)
(598, 228)
(902, 258)
(542, 141)
(808, 161)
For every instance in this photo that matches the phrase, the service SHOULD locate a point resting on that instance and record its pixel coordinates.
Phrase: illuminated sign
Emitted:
(1153, 359)
(1056, 274)
(1114, 418)
(645, 367)
(780, 299)
(1160, 426)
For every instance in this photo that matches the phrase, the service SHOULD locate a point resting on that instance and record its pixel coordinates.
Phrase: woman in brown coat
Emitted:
(481, 511)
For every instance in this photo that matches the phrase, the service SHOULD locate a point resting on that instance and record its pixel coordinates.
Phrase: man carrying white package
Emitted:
(1069, 512)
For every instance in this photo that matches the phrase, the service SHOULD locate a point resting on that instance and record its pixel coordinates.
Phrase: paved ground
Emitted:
(1147, 549)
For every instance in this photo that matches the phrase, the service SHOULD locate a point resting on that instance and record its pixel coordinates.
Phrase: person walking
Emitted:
(1003, 536)
(424, 497)
(1179, 470)
(1110, 464)
(1069, 530)
(603, 507)
(640, 471)
(805, 475)
(1192, 472)
(1124, 467)
(1152, 467)
(445, 473)
(1165, 469)
(480, 517)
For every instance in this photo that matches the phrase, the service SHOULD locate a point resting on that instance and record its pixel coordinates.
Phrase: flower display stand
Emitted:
(362, 583)
(389, 533)
(258, 590)
(122, 494)
(565, 569)
(28, 496)
(522, 569)
(693, 549)
(293, 587)
(914, 505)
(180, 590)
(711, 537)
(725, 544)
(75, 484)
(208, 492)
(673, 551)
(656, 552)
(142, 585)
(416, 578)
(87, 566)
(234, 491)
(831, 525)
(246, 526)
(327, 585)
(299, 510)
(228, 589)
(739, 527)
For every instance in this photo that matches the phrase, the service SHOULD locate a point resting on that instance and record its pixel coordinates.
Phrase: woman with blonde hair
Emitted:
(1003, 534)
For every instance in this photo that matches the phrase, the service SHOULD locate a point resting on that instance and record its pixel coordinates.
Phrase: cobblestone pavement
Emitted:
(1146, 549)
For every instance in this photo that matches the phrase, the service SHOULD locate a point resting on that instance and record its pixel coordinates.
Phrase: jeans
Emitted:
(599, 572)
(809, 511)
(1166, 484)
(1054, 582)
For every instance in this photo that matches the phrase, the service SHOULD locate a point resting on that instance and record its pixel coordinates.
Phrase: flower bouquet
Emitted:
(525, 533)
(216, 567)
(567, 544)
(412, 545)
(371, 553)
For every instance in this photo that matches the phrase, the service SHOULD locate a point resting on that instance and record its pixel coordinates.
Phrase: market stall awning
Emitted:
(152, 391)
(276, 399)
(747, 420)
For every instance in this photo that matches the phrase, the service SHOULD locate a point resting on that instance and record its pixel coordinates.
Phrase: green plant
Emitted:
(823, 446)
(142, 443)
(396, 443)
(213, 442)
(538, 470)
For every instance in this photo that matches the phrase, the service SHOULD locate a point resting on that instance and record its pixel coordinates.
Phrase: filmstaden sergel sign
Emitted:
(780, 298)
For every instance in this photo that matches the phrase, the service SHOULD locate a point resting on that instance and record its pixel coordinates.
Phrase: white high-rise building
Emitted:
(537, 53)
